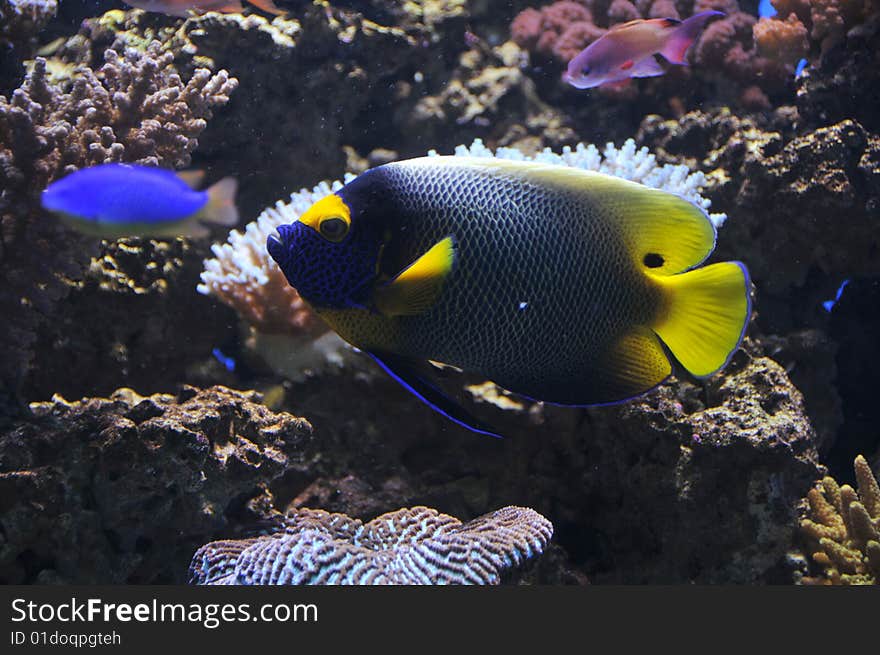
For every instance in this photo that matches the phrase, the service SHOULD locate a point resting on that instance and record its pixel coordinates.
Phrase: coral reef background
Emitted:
(186, 433)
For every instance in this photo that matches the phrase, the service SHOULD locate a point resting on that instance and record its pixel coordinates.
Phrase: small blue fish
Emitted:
(766, 9)
(119, 200)
(828, 305)
(227, 361)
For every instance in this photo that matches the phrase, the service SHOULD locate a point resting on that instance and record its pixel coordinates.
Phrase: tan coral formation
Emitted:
(488, 90)
(134, 108)
(482, 80)
(20, 22)
(827, 21)
(843, 529)
(786, 40)
(24, 17)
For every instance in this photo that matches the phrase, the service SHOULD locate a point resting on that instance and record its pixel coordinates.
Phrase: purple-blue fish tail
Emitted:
(684, 35)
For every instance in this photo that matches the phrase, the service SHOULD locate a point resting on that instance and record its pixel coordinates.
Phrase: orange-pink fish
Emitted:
(188, 7)
(629, 50)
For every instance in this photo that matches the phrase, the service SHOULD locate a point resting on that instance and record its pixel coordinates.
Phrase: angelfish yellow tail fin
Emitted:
(704, 315)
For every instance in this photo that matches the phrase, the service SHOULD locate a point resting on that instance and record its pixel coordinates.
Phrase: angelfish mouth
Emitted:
(275, 238)
(276, 247)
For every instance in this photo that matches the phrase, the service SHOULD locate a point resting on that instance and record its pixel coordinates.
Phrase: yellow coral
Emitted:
(843, 529)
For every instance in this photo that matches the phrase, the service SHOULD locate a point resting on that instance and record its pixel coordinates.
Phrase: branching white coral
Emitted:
(243, 275)
(241, 268)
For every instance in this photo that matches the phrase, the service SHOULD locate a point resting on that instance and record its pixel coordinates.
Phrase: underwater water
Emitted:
(448, 291)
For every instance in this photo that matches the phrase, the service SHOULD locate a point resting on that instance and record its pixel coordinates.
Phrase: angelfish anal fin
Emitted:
(417, 287)
(402, 370)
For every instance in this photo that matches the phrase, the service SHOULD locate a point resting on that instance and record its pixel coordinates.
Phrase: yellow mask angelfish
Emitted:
(557, 283)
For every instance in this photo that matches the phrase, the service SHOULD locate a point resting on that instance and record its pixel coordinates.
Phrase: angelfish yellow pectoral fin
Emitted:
(705, 314)
(416, 289)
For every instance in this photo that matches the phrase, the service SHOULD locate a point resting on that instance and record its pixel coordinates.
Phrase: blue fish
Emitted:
(119, 200)
(227, 361)
(828, 305)
(766, 9)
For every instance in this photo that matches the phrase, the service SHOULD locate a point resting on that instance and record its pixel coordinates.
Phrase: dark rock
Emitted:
(135, 320)
(685, 484)
(845, 82)
(124, 489)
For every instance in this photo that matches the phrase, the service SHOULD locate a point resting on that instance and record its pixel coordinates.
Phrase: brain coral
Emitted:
(415, 545)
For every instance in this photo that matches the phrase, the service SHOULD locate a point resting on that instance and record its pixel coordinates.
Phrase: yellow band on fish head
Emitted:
(329, 217)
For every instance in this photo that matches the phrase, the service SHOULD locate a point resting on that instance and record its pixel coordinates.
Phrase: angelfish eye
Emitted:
(585, 70)
(333, 228)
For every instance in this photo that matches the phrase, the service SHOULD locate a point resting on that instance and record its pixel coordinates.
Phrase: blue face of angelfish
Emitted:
(324, 273)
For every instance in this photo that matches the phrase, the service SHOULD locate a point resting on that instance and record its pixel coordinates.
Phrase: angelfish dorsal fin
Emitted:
(416, 288)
